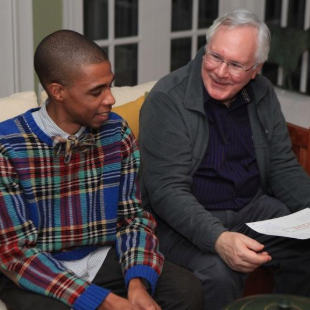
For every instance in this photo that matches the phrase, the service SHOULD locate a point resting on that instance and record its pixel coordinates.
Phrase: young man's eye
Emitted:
(96, 94)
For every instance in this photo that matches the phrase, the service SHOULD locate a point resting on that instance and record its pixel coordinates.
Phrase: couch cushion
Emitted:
(17, 104)
(2, 306)
(124, 94)
(130, 112)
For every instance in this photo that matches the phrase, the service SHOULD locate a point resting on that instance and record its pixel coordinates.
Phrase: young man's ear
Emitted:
(56, 91)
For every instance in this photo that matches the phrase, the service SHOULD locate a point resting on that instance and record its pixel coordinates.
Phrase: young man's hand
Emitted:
(138, 299)
(114, 302)
(138, 296)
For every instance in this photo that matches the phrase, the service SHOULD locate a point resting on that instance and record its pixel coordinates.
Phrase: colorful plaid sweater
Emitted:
(48, 208)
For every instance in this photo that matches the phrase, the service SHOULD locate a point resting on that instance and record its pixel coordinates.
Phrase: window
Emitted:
(113, 25)
(189, 22)
(147, 39)
(288, 64)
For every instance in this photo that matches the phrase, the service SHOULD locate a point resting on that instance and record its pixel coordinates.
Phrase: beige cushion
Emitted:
(17, 104)
(125, 94)
(43, 97)
(2, 306)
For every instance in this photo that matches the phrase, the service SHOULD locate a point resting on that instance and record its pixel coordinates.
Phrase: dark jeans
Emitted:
(177, 289)
(222, 285)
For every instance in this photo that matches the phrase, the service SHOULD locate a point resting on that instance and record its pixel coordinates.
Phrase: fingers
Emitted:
(114, 302)
(253, 244)
(249, 260)
(241, 253)
(253, 261)
(139, 297)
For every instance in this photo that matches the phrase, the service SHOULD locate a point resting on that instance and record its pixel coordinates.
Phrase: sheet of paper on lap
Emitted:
(296, 225)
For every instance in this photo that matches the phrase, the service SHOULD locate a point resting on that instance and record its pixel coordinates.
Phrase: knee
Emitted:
(192, 294)
(220, 277)
(188, 293)
(179, 289)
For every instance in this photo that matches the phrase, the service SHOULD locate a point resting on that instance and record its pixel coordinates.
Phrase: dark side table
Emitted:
(271, 302)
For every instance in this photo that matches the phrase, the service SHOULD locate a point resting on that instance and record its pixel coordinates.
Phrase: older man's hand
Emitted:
(240, 252)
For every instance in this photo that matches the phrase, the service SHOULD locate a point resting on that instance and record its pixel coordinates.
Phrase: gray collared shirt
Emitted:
(48, 126)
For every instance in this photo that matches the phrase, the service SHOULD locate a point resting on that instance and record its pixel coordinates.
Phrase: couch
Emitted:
(128, 103)
(19, 103)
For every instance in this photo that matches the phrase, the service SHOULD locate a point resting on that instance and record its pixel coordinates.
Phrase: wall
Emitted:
(47, 18)
(295, 107)
(16, 48)
(6, 50)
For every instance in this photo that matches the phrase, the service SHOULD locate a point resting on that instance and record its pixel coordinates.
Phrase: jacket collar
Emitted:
(194, 93)
(259, 88)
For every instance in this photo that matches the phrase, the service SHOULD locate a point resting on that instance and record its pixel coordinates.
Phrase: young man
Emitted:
(215, 155)
(72, 232)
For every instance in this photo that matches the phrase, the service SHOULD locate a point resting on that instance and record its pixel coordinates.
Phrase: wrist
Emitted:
(147, 285)
(219, 241)
(140, 283)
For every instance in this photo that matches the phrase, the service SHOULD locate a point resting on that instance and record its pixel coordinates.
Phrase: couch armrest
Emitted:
(17, 104)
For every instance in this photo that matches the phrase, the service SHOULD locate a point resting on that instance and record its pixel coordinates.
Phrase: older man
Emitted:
(216, 154)
(72, 232)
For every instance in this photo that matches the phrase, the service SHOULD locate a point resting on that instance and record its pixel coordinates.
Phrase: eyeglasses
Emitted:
(234, 68)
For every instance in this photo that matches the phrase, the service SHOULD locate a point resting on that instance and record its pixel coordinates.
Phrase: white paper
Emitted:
(296, 225)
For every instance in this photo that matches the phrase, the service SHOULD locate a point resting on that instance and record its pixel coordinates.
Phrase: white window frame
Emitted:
(72, 15)
(305, 64)
(194, 33)
(148, 49)
(305, 60)
(257, 6)
(296, 106)
(16, 33)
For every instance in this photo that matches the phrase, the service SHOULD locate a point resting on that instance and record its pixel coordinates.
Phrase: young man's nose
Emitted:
(108, 99)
